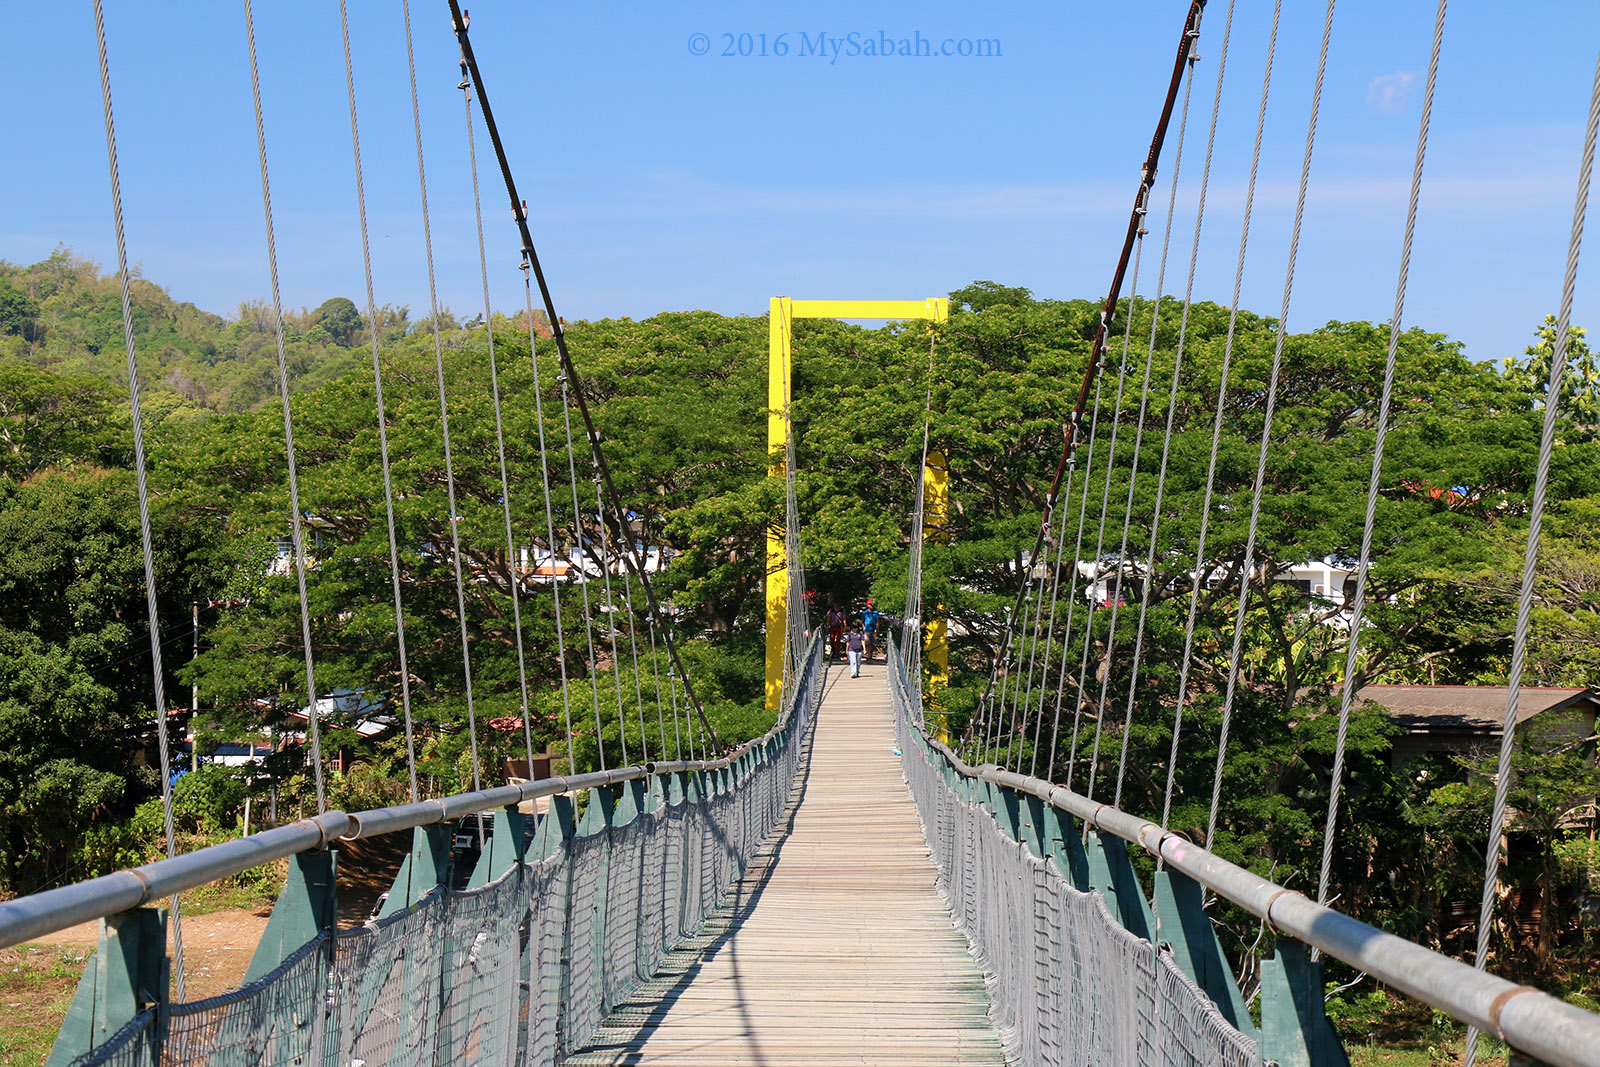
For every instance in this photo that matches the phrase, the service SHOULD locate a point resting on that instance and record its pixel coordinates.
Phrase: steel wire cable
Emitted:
(994, 708)
(1055, 587)
(1530, 556)
(383, 431)
(157, 669)
(583, 553)
(444, 408)
(638, 678)
(1146, 584)
(1032, 659)
(1099, 543)
(1028, 608)
(1072, 587)
(611, 618)
(549, 522)
(312, 715)
(672, 689)
(997, 707)
(919, 527)
(499, 428)
(1357, 610)
(1261, 470)
(661, 714)
(1272, 395)
(1001, 669)
(1200, 572)
(1072, 426)
(795, 589)
(520, 215)
(1272, 392)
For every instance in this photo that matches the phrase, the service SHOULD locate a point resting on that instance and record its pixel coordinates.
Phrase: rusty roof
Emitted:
(1469, 708)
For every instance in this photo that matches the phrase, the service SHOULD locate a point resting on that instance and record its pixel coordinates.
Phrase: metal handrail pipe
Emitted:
(681, 766)
(1525, 1018)
(381, 821)
(30, 917)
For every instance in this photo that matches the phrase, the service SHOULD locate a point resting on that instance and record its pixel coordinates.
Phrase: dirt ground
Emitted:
(37, 979)
(216, 948)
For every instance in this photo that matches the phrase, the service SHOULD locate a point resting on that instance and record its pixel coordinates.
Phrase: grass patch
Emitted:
(36, 985)
(1381, 1029)
(253, 890)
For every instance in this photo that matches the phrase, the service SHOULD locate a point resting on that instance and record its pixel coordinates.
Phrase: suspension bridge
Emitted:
(862, 883)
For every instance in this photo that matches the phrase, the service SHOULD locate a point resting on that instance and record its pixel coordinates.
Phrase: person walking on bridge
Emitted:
(856, 642)
(869, 624)
(835, 631)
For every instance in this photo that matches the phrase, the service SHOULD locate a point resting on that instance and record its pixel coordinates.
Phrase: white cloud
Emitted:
(1391, 92)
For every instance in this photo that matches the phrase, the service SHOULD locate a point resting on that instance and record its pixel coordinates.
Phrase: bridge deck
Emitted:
(835, 947)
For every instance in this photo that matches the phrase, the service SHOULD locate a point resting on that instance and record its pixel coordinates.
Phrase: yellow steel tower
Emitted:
(782, 314)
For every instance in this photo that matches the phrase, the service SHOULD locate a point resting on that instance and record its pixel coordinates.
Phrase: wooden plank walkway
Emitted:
(834, 948)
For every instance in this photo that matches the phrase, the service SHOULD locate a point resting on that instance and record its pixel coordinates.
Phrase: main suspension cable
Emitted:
(1147, 587)
(519, 212)
(1108, 311)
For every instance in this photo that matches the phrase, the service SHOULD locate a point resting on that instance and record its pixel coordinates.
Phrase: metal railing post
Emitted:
(1066, 845)
(127, 976)
(503, 851)
(425, 868)
(1295, 1031)
(1112, 873)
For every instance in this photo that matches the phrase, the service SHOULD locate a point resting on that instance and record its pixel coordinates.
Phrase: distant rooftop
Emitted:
(1469, 708)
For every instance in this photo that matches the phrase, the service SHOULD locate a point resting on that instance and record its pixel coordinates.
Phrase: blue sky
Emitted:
(660, 179)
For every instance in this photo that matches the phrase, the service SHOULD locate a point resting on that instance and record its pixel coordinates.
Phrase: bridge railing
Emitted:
(563, 914)
(1041, 882)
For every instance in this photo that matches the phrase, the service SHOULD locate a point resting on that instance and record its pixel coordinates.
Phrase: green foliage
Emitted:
(18, 311)
(1580, 384)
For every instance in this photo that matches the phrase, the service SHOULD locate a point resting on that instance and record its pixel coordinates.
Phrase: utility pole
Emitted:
(194, 688)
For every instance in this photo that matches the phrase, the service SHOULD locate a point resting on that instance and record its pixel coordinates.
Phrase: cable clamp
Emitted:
(460, 25)
(1266, 913)
(1499, 1003)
